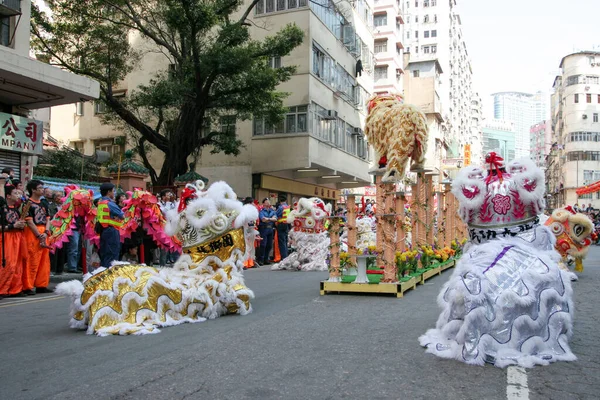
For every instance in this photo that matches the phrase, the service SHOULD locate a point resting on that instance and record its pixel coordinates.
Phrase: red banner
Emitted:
(594, 187)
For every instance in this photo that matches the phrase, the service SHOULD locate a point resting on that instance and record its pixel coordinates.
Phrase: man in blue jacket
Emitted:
(109, 217)
(266, 226)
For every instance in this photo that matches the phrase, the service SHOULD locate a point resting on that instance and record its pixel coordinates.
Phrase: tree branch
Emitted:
(144, 156)
(248, 11)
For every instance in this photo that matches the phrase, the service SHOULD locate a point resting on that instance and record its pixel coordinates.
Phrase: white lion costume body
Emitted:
(309, 236)
(397, 132)
(205, 282)
(507, 301)
(365, 236)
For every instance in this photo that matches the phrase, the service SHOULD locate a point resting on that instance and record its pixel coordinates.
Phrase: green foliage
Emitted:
(66, 164)
(212, 68)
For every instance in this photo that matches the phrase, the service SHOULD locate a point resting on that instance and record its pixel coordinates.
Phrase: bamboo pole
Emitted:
(380, 207)
(400, 233)
(334, 243)
(430, 201)
(351, 225)
(390, 273)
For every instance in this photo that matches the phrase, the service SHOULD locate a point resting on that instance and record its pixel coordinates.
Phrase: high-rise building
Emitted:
(524, 110)
(574, 160)
(499, 136)
(389, 54)
(319, 148)
(25, 85)
(432, 31)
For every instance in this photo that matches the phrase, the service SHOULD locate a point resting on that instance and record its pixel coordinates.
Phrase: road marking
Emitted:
(13, 304)
(15, 300)
(516, 383)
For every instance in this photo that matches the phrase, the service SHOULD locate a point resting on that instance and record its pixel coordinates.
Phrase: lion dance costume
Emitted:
(205, 282)
(397, 132)
(309, 236)
(507, 302)
(574, 234)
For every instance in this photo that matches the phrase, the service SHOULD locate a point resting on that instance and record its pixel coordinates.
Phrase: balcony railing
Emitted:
(9, 8)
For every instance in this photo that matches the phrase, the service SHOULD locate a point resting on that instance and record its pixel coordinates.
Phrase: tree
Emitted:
(213, 68)
(66, 163)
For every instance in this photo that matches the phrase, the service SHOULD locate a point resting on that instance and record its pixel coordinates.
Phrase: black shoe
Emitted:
(2, 296)
(22, 294)
(72, 271)
(28, 292)
(43, 290)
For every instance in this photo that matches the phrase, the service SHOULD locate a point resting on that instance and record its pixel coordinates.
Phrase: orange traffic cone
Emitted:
(276, 254)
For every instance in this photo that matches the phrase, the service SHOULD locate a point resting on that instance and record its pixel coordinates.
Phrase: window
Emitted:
(275, 62)
(110, 146)
(292, 4)
(599, 99)
(434, 48)
(408, 4)
(408, 19)
(5, 31)
(408, 34)
(416, 3)
(434, 33)
(380, 46)
(595, 117)
(269, 6)
(435, 18)
(415, 73)
(381, 72)
(227, 124)
(592, 79)
(426, 49)
(576, 98)
(573, 80)
(408, 49)
(426, 4)
(99, 107)
(416, 19)
(433, 3)
(416, 49)
(380, 20)
(426, 34)
(78, 146)
(416, 34)
(295, 121)
(79, 108)
(588, 98)
(426, 18)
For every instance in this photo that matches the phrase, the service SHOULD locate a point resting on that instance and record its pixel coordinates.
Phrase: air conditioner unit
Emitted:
(330, 114)
(357, 132)
(593, 64)
(584, 116)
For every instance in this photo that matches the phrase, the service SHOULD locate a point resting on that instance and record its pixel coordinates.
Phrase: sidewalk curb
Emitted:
(65, 277)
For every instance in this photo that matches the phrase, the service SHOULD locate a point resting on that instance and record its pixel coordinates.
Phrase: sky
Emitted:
(517, 45)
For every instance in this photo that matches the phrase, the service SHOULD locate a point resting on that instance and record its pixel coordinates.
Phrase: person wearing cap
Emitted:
(108, 221)
(37, 270)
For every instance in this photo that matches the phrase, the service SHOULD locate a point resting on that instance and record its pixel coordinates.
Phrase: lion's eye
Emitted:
(578, 229)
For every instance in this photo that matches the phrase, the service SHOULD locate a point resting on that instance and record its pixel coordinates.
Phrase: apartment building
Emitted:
(432, 31)
(389, 51)
(319, 148)
(25, 85)
(540, 137)
(574, 159)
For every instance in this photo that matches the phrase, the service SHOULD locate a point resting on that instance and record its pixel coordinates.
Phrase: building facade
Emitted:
(319, 148)
(540, 136)
(25, 85)
(499, 136)
(524, 110)
(574, 160)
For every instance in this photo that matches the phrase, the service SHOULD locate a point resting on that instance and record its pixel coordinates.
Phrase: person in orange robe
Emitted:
(37, 269)
(12, 270)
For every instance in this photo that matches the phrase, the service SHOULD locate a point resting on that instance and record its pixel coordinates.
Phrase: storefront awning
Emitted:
(29, 83)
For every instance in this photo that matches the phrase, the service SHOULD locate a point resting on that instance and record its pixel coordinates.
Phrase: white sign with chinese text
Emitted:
(21, 134)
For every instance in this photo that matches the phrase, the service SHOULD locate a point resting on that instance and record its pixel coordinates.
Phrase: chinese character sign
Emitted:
(467, 154)
(20, 134)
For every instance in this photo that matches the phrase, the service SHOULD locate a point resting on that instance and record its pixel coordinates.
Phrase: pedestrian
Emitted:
(37, 270)
(166, 204)
(109, 220)
(12, 240)
(250, 236)
(59, 257)
(283, 228)
(267, 217)
(73, 247)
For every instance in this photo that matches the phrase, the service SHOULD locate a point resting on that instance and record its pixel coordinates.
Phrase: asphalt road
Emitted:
(296, 345)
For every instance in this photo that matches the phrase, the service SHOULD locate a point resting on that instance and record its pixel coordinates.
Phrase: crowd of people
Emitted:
(25, 214)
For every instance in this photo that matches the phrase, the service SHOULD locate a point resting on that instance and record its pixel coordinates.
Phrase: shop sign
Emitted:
(20, 134)
(467, 154)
